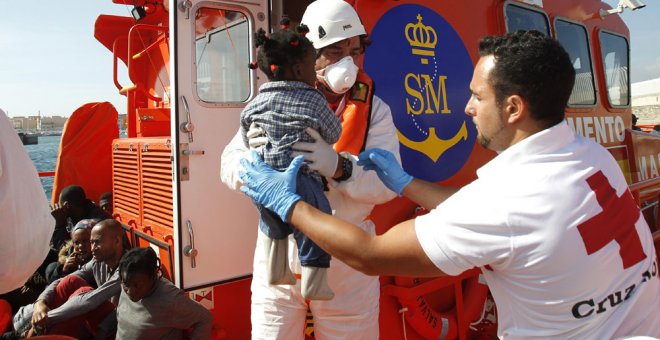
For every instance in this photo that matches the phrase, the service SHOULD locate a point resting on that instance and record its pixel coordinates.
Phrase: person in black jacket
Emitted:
(73, 206)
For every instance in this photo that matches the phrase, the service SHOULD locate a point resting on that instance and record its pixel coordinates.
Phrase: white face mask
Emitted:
(340, 76)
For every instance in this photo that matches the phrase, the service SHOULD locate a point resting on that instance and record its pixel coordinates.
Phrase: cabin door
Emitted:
(215, 227)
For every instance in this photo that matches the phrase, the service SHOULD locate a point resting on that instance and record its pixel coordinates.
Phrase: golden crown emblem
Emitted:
(422, 39)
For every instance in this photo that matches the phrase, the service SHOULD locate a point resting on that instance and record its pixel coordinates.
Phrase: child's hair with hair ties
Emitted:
(281, 50)
(138, 260)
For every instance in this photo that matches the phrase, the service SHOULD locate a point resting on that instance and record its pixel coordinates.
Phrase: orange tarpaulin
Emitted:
(85, 156)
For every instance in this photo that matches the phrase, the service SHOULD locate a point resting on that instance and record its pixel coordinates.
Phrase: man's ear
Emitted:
(119, 240)
(516, 108)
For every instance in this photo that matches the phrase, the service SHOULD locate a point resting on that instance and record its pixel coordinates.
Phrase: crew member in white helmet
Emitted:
(279, 312)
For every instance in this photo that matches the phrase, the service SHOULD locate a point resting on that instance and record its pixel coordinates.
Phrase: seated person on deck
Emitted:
(151, 307)
(105, 202)
(73, 206)
(74, 253)
(70, 303)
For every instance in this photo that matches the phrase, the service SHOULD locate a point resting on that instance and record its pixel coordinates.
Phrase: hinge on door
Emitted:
(184, 6)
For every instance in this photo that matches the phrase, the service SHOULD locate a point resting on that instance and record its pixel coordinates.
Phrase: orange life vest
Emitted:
(356, 115)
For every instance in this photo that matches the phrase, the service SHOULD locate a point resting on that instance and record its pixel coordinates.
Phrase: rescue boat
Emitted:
(186, 62)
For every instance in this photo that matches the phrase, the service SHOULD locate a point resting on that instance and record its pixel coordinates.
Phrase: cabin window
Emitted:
(523, 18)
(222, 55)
(294, 9)
(574, 39)
(615, 59)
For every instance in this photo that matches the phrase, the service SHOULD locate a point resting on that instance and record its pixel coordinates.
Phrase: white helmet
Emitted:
(330, 21)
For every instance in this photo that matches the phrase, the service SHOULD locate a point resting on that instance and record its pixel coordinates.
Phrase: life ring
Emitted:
(437, 319)
(426, 319)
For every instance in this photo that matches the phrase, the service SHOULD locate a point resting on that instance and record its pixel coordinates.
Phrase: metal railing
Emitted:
(647, 195)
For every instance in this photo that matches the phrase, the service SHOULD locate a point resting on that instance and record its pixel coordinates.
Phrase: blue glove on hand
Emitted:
(387, 167)
(273, 189)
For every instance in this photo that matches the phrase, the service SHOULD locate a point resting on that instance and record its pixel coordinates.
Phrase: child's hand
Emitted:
(71, 263)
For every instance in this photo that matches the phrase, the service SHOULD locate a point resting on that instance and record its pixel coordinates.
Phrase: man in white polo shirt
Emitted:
(550, 221)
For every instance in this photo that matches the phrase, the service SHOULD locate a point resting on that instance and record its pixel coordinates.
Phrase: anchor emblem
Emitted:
(428, 72)
(433, 146)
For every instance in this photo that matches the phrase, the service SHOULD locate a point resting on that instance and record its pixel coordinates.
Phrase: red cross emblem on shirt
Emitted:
(615, 223)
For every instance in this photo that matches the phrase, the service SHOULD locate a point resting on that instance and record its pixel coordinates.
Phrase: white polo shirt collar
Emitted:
(550, 139)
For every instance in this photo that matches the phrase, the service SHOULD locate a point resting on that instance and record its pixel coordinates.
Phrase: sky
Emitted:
(50, 60)
(644, 26)
(51, 63)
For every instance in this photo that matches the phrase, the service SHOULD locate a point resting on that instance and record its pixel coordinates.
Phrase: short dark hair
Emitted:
(533, 66)
(105, 196)
(280, 51)
(138, 260)
(74, 194)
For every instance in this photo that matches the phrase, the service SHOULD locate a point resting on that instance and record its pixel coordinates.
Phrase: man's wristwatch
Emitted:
(347, 168)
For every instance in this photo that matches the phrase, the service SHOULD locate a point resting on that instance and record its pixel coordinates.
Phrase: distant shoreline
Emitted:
(648, 114)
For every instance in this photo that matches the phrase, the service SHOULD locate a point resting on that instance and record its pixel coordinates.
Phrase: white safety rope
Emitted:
(483, 314)
(403, 311)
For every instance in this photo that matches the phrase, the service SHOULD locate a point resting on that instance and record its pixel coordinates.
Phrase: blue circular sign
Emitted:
(422, 71)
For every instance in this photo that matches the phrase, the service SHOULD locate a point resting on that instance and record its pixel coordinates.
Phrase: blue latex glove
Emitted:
(273, 189)
(387, 167)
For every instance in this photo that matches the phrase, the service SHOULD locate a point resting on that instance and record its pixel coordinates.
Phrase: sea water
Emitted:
(44, 157)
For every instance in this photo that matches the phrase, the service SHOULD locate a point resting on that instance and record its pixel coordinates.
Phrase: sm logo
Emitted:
(422, 71)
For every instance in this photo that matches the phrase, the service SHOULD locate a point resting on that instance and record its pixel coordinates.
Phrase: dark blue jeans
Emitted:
(311, 191)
